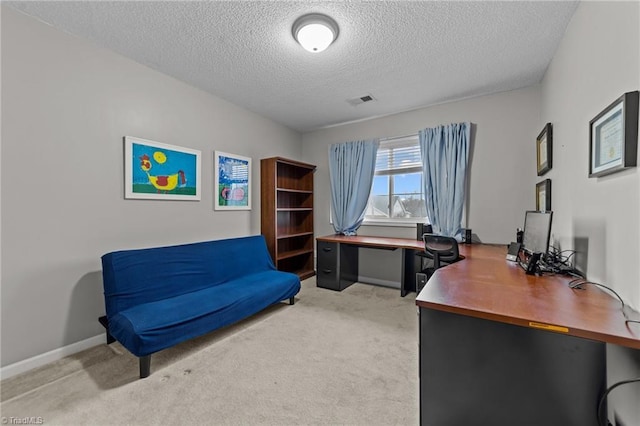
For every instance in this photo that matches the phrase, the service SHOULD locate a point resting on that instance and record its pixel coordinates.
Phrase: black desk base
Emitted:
(338, 266)
(480, 372)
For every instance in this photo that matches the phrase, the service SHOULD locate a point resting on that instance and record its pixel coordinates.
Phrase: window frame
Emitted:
(392, 173)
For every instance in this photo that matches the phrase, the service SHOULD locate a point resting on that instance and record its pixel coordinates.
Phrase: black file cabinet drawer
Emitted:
(327, 273)
(337, 265)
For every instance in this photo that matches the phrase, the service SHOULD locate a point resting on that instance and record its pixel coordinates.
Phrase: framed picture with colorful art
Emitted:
(232, 181)
(158, 171)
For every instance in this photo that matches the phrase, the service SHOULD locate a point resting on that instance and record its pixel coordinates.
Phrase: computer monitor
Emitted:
(537, 231)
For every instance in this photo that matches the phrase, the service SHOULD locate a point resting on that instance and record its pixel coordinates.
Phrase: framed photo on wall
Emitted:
(158, 171)
(543, 195)
(544, 149)
(232, 181)
(613, 137)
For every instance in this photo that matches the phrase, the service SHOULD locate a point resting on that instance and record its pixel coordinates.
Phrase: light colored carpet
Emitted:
(347, 357)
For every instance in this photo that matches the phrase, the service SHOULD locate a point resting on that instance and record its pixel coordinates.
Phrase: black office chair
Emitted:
(442, 250)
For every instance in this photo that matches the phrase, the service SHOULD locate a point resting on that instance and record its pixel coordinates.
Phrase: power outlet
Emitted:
(421, 281)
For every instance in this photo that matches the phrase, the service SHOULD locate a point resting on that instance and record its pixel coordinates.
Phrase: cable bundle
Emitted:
(557, 262)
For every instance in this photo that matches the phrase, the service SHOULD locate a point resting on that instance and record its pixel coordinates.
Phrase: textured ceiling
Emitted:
(405, 54)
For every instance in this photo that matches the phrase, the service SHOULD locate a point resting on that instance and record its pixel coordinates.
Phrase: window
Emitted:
(396, 193)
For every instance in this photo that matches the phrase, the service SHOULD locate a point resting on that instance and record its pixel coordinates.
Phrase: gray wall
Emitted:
(505, 127)
(592, 67)
(66, 105)
(597, 61)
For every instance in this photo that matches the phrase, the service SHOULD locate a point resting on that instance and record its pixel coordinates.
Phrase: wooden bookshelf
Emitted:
(286, 194)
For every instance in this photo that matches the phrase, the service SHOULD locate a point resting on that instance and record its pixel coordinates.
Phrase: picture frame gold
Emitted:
(544, 149)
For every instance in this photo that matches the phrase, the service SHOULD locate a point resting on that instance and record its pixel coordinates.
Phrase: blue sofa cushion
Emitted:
(149, 327)
(134, 277)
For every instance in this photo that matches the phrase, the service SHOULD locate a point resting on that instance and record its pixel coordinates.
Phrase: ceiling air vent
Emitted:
(361, 100)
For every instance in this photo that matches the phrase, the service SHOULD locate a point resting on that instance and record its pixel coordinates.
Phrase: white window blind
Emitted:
(398, 156)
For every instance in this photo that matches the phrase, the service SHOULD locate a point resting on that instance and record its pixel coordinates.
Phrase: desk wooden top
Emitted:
(367, 241)
(486, 285)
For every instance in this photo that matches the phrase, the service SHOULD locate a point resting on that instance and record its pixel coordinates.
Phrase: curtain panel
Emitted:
(445, 154)
(351, 169)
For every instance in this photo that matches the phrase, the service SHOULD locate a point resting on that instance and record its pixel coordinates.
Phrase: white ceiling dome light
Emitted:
(315, 32)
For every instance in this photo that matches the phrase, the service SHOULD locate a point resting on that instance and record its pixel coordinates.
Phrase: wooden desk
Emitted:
(501, 347)
(338, 259)
(487, 286)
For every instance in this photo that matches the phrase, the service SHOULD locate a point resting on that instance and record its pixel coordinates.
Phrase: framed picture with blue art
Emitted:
(159, 171)
(232, 182)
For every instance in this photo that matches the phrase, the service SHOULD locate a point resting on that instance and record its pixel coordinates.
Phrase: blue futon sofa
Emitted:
(158, 297)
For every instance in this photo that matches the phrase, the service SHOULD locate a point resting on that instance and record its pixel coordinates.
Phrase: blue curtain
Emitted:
(351, 169)
(445, 153)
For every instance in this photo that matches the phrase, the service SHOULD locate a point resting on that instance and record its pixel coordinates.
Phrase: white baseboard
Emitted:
(54, 355)
(377, 281)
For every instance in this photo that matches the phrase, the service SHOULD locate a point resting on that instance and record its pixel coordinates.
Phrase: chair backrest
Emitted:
(441, 249)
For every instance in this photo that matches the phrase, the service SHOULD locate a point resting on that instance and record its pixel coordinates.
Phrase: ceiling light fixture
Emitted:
(315, 32)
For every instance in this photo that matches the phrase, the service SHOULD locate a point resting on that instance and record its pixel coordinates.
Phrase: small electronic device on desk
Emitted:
(514, 251)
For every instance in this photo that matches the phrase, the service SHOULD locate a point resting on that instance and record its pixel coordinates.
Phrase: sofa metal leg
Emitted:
(145, 366)
(292, 300)
(105, 323)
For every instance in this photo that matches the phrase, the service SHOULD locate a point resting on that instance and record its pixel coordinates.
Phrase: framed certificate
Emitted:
(544, 149)
(613, 136)
(543, 196)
